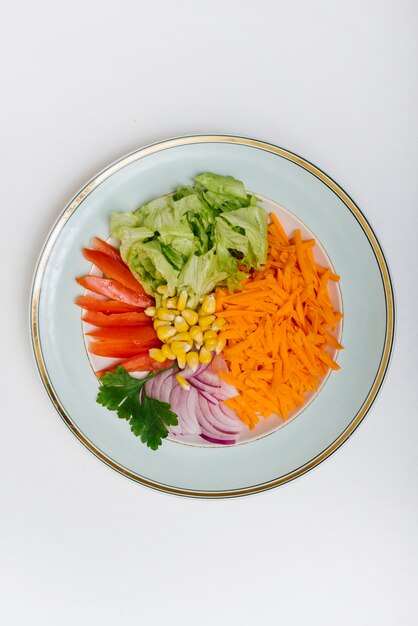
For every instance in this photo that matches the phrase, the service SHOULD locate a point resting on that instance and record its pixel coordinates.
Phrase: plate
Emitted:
(302, 196)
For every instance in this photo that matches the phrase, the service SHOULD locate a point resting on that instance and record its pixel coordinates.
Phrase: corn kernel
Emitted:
(182, 301)
(168, 354)
(157, 355)
(165, 314)
(190, 316)
(205, 355)
(219, 324)
(180, 324)
(183, 337)
(208, 305)
(205, 321)
(183, 382)
(165, 332)
(220, 346)
(192, 359)
(196, 334)
(180, 347)
(211, 344)
(150, 311)
(181, 361)
(158, 323)
(162, 289)
(171, 303)
(209, 334)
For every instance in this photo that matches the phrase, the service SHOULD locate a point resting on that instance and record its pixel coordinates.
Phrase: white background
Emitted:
(84, 83)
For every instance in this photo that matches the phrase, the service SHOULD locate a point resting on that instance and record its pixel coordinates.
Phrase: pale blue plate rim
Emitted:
(390, 302)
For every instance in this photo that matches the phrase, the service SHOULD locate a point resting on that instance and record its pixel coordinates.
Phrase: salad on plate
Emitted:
(207, 315)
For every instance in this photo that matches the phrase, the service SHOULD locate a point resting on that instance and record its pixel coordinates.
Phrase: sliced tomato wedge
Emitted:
(102, 246)
(140, 363)
(114, 290)
(113, 268)
(145, 333)
(90, 303)
(115, 319)
(121, 348)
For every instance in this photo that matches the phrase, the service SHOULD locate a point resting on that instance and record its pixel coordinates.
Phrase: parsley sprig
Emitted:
(127, 396)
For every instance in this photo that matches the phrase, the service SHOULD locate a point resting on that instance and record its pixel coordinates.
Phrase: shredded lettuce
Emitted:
(196, 239)
(234, 241)
(222, 185)
(252, 220)
(200, 275)
(149, 265)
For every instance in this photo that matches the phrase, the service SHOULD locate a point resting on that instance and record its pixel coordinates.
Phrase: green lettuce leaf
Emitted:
(223, 185)
(120, 221)
(194, 239)
(200, 276)
(229, 264)
(127, 231)
(157, 213)
(253, 221)
(150, 266)
(200, 218)
(222, 203)
(232, 239)
(176, 245)
(182, 192)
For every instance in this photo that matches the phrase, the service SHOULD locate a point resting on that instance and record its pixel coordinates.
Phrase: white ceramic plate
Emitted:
(302, 196)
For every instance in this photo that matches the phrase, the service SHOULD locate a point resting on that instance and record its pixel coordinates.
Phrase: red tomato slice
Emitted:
(90, 303)
(115, 319)
(140, 363)
(121, 348)
(114, 290)
(145, 333)
(113, 268)
(103, 246)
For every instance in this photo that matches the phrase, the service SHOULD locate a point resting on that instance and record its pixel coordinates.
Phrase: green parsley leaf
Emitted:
(120, 392)
(148, 417)
(150, 425)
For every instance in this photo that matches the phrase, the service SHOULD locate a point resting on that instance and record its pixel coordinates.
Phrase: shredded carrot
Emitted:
(279, 229)
(280, 333)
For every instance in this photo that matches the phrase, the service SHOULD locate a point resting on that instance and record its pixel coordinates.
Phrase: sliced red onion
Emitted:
(165, 387)
(218, 435)
(202, 386)
(211, 397)
(209, 422)
(191, 399)
(155, 386)
(183, 403)
(188, 422)
(188, 372)
(209, 377)
(220, 395)
(230, 413)
(223, 442)
(208, 396)
(229, 390)
(225, 422)
(219, 364)
(174, 396)
(200, 410)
